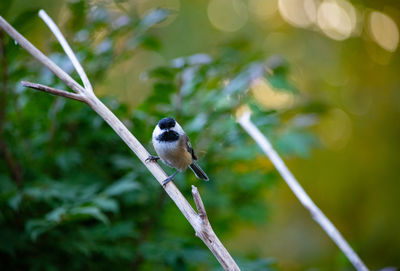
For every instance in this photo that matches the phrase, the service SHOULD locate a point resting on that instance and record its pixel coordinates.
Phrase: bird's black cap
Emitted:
(166, 123)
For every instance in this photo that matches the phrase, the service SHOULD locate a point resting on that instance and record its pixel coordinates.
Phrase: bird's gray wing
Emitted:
(189, 147)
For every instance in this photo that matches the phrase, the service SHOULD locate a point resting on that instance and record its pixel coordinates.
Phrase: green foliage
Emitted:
(85, 201)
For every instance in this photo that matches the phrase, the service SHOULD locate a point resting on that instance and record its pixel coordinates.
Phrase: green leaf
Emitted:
(36, 227)
(280, 82)
(123, 162)
(149, 42)
(123, 186)
(68, 159)
(197, 123)
(87, 212)
(242, 81)
(164, 89)
(164, 73)
(153, 17)
(56, 215)
(279, 77)
(106, 204)
(15, 201)
(118, 230)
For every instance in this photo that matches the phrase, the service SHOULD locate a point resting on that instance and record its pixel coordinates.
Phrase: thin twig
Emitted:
(205, 232)
(67, 49)
(294, 185)
(54, 91)
(199, 205)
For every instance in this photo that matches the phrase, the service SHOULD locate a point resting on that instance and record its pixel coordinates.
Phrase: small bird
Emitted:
(174, 149)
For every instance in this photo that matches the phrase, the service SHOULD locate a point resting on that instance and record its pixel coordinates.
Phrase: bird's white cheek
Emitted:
(178, 129)
(156, 132)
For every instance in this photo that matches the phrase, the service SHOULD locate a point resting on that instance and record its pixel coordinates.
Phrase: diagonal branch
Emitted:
(206, 234)
(54, 91)
(316, 213)
(67, 49)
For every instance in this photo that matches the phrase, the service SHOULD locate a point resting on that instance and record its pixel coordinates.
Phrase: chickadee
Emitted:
(174, 149)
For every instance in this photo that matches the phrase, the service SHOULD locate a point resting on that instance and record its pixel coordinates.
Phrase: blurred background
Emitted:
(339, 83)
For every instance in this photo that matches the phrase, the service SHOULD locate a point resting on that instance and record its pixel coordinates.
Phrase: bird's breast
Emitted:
(173, 153)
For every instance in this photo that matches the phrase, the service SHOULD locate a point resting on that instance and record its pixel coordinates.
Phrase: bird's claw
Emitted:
(167, 180)
(152, 158)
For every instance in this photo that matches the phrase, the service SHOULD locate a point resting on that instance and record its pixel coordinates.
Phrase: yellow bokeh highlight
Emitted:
(337, 19)
(263, 9)
(269, 98)
(227, 15)
(384, 31)
(299, 13)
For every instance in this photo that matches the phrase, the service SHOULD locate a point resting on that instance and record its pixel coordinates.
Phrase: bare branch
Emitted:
(204, 231)
(21, 40)
(199, 204)
(54, 91)
(67, 49)
(294, 185)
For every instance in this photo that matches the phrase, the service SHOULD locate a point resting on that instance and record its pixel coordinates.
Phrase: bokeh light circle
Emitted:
(336, 19)
(263, 9)
(384, 31)
(227, 15)
(299, 13)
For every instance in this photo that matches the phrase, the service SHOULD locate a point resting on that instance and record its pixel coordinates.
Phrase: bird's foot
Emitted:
(169, 178)
(152, 158)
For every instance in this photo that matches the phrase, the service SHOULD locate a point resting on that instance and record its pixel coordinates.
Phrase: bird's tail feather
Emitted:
(198, 172)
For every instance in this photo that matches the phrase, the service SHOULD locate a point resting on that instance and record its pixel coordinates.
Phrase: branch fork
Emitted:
(199, 205)
(199, 221)
(201, 212)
